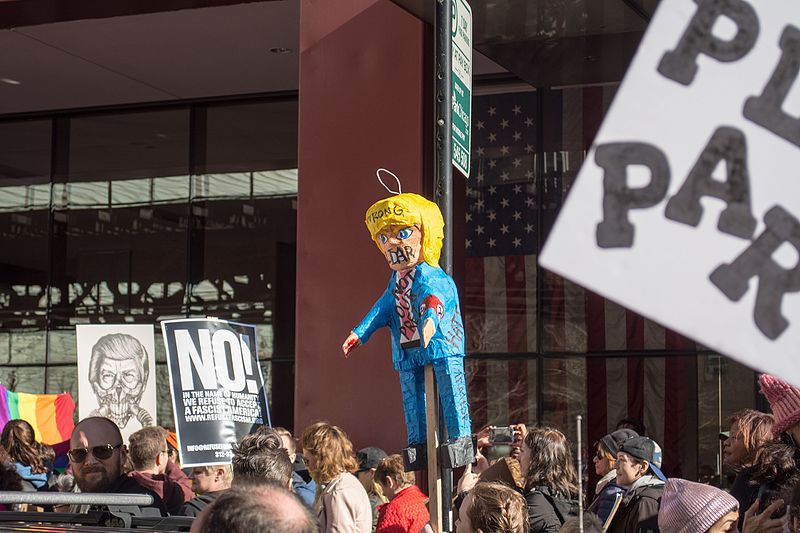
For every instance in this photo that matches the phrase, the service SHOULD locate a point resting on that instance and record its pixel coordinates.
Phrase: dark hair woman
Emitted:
(32, 460)
(551, 481)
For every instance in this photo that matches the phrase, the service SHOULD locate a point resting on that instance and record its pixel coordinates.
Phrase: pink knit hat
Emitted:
(784, 400)
(688, 507)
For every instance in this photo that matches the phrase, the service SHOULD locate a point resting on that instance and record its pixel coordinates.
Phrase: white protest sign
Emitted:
(218, 393)
(117, 374)
(687, 209)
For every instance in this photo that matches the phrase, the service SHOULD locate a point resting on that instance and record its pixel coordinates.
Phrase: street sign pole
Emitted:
(439, 499)
(453, 92)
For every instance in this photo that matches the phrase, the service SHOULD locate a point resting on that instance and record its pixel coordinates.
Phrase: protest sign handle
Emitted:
(434, 473)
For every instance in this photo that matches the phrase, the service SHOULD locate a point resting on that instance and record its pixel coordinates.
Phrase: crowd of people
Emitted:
(317, 482)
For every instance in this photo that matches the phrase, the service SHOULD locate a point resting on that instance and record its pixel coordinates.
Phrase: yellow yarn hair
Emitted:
(409, 209)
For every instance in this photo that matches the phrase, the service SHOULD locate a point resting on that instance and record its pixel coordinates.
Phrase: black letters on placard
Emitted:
(615, 231)
(726, 144)
(681, 64)
(773, 280)
(766, 110)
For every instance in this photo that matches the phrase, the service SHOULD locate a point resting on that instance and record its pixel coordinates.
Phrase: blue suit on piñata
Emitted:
(420, 307)
(434, 296)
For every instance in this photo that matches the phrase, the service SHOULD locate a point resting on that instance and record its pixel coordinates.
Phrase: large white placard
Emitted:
(687, 208)
(218, 393)
(116, 374)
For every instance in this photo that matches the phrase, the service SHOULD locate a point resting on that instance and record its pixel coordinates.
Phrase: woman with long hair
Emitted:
(32, 460)
(551, 481)
(342, 503)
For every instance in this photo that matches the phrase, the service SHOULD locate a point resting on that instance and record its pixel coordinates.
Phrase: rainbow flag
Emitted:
(49, 414)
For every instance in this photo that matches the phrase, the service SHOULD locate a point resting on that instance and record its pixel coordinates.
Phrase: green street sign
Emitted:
(462, 84)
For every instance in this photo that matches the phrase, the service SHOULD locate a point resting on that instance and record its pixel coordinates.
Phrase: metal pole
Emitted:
(443, 179)
(579, 429)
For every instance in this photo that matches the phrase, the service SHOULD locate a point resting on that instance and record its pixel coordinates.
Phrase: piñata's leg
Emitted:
(453, 395)
(412, 383)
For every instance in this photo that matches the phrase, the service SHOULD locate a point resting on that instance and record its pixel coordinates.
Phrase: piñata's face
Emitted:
(402, 247)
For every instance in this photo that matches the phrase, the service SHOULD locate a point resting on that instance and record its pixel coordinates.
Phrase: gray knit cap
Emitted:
(688, 507)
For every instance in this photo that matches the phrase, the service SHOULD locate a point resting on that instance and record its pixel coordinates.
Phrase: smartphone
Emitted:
(501, 435)
(766, 496)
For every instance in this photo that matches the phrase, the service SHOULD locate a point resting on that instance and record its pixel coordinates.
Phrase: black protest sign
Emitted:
(687, 209)
(218, 394)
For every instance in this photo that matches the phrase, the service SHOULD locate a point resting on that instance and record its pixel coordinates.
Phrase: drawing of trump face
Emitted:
(118, 372)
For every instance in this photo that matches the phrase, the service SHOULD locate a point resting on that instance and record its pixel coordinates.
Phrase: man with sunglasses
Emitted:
(97, 457)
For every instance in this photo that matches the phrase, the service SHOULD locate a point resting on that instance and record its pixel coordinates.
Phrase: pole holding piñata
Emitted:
(421, 308)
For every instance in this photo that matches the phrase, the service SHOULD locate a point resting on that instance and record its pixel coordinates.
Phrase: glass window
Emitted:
(136, 144)
(164, 414)
(119, 231)
(25, 157)
(24, 220)
(501, 391)
(500, 226)
(28, 379)
(723, 388)
(564, 394)
(251, 136)
(63, 378)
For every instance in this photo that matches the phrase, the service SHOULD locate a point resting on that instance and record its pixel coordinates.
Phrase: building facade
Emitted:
(242, 196)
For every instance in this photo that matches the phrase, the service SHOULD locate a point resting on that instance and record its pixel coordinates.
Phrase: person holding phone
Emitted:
(776, 468)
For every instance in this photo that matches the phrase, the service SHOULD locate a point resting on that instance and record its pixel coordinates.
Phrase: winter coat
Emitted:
(744, 492)
(638, 512)
(547, 511)
(306, 491)
(200, 502)
(406, 513)
(606, 497)
(343, 506)
(37, 480)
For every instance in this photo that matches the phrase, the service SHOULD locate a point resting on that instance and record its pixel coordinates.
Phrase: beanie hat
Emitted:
(688, 507)
(172, 439)
(784, 400)
(615, 438)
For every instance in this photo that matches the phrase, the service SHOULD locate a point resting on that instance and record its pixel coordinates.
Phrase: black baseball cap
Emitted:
(369, 458)
(615, 438)
(643, 449)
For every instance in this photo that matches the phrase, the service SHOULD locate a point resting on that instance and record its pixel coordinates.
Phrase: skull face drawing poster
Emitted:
(116, 368)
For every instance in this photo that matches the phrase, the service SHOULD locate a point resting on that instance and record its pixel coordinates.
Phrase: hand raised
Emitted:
(755, 522)
(350, 343)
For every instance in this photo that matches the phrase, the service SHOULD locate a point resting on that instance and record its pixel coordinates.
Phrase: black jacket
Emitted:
(744, 492)
(128, 485)
(199, 502)
(638, 512)
(547, 511)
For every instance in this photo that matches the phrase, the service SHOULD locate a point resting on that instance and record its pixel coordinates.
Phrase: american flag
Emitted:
(515, 190)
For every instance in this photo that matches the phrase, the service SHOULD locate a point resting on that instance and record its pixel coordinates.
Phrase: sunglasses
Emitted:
(102, 452)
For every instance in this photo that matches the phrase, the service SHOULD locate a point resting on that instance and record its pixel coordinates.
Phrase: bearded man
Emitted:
(97, 458)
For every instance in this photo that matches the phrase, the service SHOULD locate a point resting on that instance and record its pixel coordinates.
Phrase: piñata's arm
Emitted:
(430, 313)
(378, 317)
